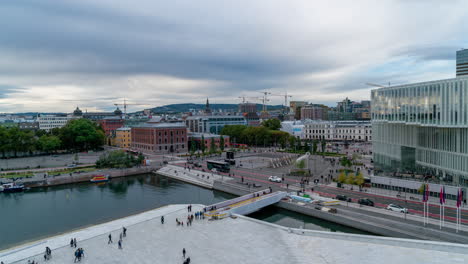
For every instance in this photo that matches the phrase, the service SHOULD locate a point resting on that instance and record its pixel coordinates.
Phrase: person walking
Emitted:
(120, 236)
(110, 239)
(183, 253)
(71, 242)
(74, 242)
(162, 219)
(124, 231)
(120, 244)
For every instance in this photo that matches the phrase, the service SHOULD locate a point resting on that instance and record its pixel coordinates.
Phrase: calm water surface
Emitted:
(49, 211)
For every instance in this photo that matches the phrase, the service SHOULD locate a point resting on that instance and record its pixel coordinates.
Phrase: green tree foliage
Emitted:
(81, 135)
(234, 132)
(49, 143)
(273, 124)
(118, 159)
(301, 164)
(345, 162)
(292, 141)
(299, 144)
(324, 145)
(221, 143)
(359, 179)
(212, 146)
(193, 147)
(350, 178)
(202, 146)
(314, 146)
(342, 177)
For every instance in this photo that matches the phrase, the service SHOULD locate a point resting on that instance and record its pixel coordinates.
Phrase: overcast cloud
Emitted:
(55, 55)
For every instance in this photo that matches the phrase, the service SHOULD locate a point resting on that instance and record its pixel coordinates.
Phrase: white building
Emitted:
(49, 122)
(338, 130)
(295, 128)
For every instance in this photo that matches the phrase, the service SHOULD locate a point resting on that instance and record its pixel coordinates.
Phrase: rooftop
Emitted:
(160, 125)
(231, 240)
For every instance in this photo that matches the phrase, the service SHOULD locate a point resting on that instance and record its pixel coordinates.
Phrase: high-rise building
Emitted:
(314, 112)
(421, 130)
(247, 108)
(462, 62)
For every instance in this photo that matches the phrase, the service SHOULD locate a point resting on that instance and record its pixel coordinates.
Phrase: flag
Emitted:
(445, 195)
(441, 195)
(427, 193)
(459, 197)
(424, 192)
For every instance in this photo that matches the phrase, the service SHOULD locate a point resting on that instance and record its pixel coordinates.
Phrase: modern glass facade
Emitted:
(462, 62)
(422, 129)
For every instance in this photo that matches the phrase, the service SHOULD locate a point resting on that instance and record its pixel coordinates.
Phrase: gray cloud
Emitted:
(187, 51)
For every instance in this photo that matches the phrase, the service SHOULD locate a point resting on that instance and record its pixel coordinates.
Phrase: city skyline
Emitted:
(93, 54)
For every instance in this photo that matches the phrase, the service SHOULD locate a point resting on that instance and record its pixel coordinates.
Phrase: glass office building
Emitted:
(422, 129)
(462, 62)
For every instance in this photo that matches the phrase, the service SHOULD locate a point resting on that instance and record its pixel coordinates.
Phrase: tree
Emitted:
(118, 159)
(342, 177)
(324, 145)
(314, 146)
(345, 162)
(221, 143)
(273, 124)
(292, 141)
(359, 179)
(212, 146)
(81, 135)
(234, 132)
(301, 164)
(350, 178)
(193, 147)
(202, 146)
(299, 144)
(49, 143)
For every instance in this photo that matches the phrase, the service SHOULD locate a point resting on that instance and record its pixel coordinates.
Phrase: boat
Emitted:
(100, 178)
(11, 187)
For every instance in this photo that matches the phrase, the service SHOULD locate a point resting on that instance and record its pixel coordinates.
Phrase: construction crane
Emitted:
(125, 106)
(245, 97)
(265, 100)
(285, 95)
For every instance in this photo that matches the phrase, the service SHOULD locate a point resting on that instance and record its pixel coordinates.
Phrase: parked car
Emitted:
(343, 198)
(397, 208)
(366, 201)
(198, 165)
(274, 179)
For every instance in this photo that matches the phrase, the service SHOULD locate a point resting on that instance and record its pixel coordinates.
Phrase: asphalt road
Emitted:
(260, 176)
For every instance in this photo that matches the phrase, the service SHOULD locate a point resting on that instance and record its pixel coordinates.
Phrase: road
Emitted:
(260, 176)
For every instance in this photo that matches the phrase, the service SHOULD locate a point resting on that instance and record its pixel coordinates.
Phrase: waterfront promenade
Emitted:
(231, 240)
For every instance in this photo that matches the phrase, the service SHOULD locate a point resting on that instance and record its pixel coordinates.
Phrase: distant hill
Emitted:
(178, 108)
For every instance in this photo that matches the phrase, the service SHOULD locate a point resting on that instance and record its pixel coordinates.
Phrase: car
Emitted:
(397, 208)
(198, 165)
(343, 198)
(366, 201)
(274, 179)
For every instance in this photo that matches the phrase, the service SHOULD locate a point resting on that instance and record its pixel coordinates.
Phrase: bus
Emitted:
(221, 166)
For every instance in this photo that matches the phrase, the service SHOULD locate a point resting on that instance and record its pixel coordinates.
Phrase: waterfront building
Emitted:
(197, 138)
(123, 137)
(159, 138)
(338, 130)
(49, 122)
(422, 128)
(212, 124)
(462, 62)
(295, 128)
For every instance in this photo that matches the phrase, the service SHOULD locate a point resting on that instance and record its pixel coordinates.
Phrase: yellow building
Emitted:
(123, 138)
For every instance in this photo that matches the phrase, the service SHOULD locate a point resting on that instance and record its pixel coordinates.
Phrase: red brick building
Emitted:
(160, 138)
(110, 124)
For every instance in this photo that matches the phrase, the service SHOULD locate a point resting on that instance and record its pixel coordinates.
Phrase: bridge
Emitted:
(243, 205)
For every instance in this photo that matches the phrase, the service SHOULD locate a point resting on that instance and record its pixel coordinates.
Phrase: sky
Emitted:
(56, 55)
